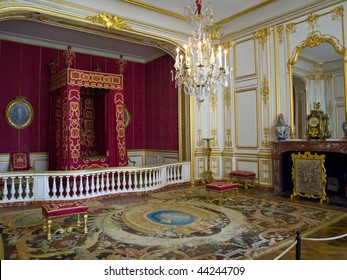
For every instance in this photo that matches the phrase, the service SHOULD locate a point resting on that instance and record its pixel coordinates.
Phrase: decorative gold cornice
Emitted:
(110, 21)
(83, 23)
(265, 90)
(17, 15)
(312, 19)
(167, 12)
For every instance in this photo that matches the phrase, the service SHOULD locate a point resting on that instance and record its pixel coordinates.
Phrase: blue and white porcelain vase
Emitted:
(282, 130)
(344, 127)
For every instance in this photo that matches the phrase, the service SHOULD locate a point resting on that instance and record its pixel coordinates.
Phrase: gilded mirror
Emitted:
(316, 68)
(127, 117)
(19, 113)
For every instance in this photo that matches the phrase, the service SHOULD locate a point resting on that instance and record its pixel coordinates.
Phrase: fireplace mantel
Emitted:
(280, 147)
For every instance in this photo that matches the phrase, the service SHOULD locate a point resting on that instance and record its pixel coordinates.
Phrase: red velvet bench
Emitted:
(221, 188)
(247, 177)
(59, 209)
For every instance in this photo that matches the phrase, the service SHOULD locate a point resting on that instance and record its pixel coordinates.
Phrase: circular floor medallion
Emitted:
(170, 217)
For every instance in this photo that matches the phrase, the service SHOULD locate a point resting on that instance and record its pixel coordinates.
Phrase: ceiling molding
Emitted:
(155, 9)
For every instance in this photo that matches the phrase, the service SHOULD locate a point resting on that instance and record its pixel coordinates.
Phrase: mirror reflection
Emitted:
(318, 77)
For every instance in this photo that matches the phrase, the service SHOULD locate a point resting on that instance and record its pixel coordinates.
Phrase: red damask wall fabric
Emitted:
(149, 95)
(161, 110)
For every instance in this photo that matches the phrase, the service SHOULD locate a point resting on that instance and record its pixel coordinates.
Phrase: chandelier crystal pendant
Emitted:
(201, 67)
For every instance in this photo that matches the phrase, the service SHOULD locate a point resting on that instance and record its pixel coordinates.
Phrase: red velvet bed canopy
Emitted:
(86, 120)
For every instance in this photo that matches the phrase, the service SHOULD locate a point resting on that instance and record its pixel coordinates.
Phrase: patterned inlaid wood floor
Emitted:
(310, 250)
(322, 250)
(315, 250)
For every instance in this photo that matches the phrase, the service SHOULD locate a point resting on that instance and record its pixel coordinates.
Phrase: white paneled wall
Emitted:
(246, 115)
(241, 119)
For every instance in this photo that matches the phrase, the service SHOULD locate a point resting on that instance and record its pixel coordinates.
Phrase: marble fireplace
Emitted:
(335, 161)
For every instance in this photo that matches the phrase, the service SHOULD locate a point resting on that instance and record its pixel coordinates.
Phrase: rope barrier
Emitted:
(286, 251)
(325, 239)
(297, 242)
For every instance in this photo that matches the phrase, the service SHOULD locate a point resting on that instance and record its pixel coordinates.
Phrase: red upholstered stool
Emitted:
(58, 209)
(221, 188)
(247, 177)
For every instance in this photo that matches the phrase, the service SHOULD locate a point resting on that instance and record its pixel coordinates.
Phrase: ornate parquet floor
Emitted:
(314, 250)
(310, 250)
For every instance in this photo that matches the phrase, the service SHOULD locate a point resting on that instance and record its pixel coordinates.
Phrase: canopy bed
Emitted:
(86, 121)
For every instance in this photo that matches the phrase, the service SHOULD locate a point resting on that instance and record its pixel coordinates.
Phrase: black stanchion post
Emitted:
(298, 246)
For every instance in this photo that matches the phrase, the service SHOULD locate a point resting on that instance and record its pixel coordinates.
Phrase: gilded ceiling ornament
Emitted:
(110, 22)
(265, 90)
(280, 30)
(226, 45)
(215, 32)
(290, 28)
(312, 21)
(337, 13)
(262, 35)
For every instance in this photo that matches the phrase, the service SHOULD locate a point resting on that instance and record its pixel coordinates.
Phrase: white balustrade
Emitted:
(74, 185)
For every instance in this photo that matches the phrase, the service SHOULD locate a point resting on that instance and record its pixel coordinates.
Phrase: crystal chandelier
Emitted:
(201, 67)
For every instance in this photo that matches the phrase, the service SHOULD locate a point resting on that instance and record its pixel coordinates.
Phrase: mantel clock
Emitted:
(317, 124)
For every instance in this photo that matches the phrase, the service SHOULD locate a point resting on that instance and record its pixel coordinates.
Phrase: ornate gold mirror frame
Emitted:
(127, 117)
(19, 113)
(314, 39)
